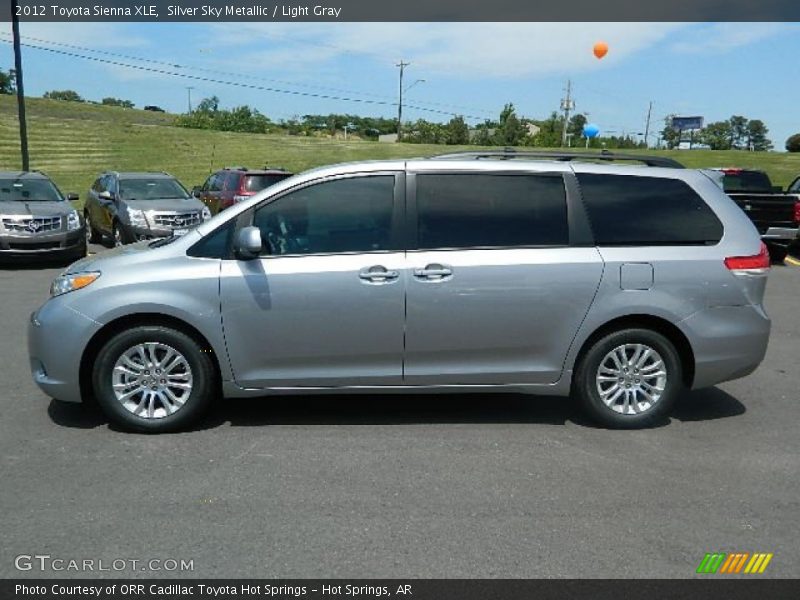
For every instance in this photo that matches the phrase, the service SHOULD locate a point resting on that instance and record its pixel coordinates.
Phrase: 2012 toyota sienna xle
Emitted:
(622, 285)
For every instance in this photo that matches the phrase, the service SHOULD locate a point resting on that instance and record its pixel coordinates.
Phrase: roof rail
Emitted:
(234, 168)
(605, 155)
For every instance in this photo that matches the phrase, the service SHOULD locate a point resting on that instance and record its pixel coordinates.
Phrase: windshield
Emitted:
(28, 190)
(746, 181)
(256, 183)
(159, 188)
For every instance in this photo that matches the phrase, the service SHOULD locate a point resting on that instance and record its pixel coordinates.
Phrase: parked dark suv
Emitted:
(128, 207)
(36, 220)
(230, 185)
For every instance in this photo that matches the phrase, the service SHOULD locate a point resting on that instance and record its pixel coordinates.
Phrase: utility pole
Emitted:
(23, 125)
(402, 66)
(567, 104)
(189, 89)
(647, 126)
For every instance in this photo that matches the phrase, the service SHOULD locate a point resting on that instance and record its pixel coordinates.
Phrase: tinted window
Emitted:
(232, 181)
(256, 183)
(746, 181)
(476, 210)
(215, 183)
(626, 210)
(345, 215)
(215, 244)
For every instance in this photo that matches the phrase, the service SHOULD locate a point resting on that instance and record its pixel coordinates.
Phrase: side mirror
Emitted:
(196, 191)
(248, 243)
(106, 195)
(72, 197)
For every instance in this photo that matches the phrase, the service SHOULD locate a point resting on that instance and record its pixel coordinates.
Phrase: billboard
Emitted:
(686, 123)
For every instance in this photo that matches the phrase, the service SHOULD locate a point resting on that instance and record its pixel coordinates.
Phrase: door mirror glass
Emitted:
(105, 195)
(72, 197)
(248, 243)
(196, 191)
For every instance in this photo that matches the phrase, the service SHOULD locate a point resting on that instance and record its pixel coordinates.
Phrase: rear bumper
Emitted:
(782, 236)
(728, 342)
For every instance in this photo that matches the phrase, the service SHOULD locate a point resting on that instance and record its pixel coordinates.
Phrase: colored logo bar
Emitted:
(734, 562)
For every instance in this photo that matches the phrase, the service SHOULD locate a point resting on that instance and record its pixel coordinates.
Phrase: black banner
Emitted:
(407, 10)
(442, 589)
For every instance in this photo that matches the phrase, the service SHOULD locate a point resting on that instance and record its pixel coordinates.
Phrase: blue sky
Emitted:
(714, 70)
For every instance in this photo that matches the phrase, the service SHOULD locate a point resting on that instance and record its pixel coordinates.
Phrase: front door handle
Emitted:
(434, 272)
(378, 274)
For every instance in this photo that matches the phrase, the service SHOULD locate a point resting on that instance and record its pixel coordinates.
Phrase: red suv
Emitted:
(234, 184)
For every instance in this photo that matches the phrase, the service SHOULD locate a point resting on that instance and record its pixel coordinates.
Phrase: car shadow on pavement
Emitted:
(397, 409)
(36, 265)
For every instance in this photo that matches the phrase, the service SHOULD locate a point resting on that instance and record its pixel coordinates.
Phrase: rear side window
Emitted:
(491, 211)
(256, 183)
(629, 210)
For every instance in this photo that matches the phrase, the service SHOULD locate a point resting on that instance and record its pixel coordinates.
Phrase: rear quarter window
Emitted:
(627, 210)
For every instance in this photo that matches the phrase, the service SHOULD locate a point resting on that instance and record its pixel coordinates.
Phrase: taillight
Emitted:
(797, 212)
(750, 265)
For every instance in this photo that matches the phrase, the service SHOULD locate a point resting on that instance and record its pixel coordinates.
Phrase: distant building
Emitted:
(533, 129)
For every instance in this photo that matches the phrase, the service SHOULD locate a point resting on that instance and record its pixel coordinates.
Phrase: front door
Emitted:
(324, 305)
(495, 293)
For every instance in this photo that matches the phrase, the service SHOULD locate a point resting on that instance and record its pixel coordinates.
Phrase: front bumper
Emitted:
(48, 245)
(57, 336)
(137, 234)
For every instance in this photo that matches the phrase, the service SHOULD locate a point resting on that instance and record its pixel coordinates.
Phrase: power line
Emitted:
(245, 85)
(248, 76)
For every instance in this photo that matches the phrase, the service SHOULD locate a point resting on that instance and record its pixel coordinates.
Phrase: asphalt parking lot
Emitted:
(417, 486)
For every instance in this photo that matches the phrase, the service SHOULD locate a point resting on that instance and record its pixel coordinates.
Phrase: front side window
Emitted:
(629, 210)
(338, 216)
(491, 211)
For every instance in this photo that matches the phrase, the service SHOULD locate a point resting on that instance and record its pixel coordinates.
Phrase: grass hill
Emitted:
(73, 142)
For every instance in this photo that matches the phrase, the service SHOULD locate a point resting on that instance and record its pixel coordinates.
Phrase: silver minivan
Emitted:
(620, 284)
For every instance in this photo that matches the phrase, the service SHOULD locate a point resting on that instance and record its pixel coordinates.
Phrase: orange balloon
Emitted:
(600, 49)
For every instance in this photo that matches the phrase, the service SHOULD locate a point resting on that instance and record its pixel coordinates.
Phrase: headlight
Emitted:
(73, 221)
(136, 218)
(69, 282)
(206, 213)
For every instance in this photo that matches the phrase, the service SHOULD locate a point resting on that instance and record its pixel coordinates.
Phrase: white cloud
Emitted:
(722, 37)
(88, 35)
(465, 50)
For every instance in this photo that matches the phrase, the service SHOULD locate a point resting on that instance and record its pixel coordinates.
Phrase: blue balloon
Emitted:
(590, 130)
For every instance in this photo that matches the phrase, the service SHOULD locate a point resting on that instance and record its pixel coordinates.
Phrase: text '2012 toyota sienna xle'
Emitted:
(620, 285)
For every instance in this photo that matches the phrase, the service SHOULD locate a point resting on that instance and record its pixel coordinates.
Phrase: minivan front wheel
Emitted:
(153, 379)
(629, 378)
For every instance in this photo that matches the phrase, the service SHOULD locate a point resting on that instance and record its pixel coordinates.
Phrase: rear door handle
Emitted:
(434, 272)
(378, 274)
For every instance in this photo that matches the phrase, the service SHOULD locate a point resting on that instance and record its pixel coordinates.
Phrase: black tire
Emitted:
(118, 236)
(196, 403)
(93, 236)
(585, 384)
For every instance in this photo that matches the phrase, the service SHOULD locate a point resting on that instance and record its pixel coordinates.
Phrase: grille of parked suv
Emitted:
(32, 225)
(173, 220)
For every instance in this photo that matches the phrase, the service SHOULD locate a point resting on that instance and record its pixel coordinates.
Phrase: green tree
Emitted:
(457, 131)
(7, 82)
(549, 135)
(738, 135)
(117, 102)
(793, 143)
(511, 131)
(670, 135)
(717, 135)
(757, 136)
(67, 95)
(575, 127)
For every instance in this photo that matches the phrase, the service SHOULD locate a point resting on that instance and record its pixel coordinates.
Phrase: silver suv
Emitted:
(36, 220)
(621, 285)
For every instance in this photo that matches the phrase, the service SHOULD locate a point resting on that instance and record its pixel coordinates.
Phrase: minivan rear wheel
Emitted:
(153, 379)
(629, 379)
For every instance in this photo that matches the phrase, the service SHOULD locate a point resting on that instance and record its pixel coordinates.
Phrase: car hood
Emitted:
(37, 209)
(116, 259)
(168, 204)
